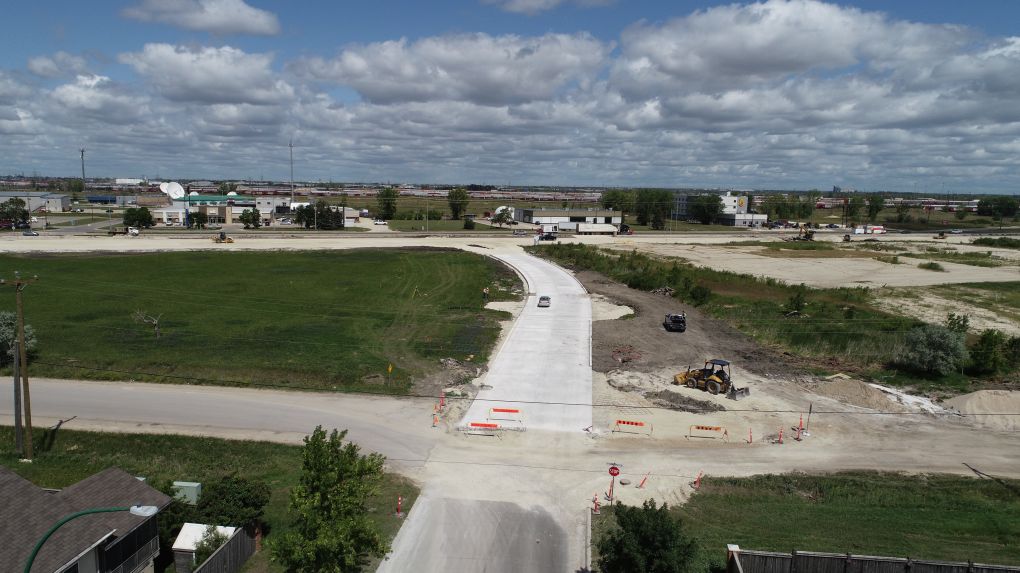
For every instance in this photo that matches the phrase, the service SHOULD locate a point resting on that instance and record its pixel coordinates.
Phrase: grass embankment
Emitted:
(1001, 298)
(1000, 242)
(65, 457)
(443, 226)
(330, 320)
(838, 328)
(924, 517)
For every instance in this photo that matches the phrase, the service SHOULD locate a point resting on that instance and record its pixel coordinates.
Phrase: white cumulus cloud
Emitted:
(215, 16)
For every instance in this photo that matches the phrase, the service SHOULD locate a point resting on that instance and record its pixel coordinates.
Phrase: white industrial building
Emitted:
(567, 219)
(734, 211)
(39, 201)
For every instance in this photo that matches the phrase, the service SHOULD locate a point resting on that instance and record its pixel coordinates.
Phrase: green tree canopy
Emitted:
(387, 200)
(14, 210)
(854, 206)
(876, 203)
(138, 217)
(212, 539)
(9, 335)
(705, 208)
(458, 200)
(648, 539)
(198, 220)
(332, 532)
(501, 217)
(233, 500)
(251, 218)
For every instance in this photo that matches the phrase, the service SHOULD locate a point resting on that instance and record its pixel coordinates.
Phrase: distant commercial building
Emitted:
(39, 200)
(734, 212)
(567, 219)
(221, 209)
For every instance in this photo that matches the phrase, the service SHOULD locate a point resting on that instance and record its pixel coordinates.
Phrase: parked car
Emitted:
(34, 220)
(547, 237)
(832, 226)
(956, 231)
(544, 301)
(30, 233)
(378, 222)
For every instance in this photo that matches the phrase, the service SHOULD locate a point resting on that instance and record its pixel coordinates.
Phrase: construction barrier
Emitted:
(488, 428)
(708, 432)
(632, 427)
(509, 414)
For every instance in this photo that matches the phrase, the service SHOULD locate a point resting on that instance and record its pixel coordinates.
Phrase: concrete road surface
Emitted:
(479, 536)
(543, 367)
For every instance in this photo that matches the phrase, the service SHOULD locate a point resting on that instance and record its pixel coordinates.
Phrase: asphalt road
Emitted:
(397, 429)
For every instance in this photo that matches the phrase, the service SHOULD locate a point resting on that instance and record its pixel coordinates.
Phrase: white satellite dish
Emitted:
(173, 189)
(193, 194)
(232, 193)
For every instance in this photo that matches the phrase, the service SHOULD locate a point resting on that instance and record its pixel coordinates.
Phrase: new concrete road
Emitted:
(543, 367)
(377, 424)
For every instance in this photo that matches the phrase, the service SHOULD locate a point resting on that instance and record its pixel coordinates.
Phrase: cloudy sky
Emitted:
(775, 94)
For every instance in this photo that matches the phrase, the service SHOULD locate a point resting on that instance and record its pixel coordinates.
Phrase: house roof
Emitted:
(29, 512)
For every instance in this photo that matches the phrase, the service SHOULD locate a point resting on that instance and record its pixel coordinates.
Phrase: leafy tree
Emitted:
(387, 199)
(501, 217)
(251, 218)
(960, 214)
(13, 210)
(234, 500)
(75, 187)
(9, 335)
(212, 539)
(305, 215)
(225, 187)
(332, 532)
(989, 353)
(854, 206)
(957, 322)
(876, 203)
(933, 349)
(138, 217)
(458, 200)
(651, 202)
(647, 540)
(198, 220)
(902, 212)
(798, 300)
(706, 208)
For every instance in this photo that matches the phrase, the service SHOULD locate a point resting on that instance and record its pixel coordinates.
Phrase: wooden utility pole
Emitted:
(19, 285)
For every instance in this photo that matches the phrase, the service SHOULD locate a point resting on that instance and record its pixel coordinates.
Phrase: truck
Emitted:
(130, 231)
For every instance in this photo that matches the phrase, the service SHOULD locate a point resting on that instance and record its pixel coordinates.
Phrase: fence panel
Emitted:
(232, 555)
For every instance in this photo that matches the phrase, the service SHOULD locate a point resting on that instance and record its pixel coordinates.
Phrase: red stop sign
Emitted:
(614, 471)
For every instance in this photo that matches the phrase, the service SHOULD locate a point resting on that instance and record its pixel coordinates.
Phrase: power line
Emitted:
(693, 410)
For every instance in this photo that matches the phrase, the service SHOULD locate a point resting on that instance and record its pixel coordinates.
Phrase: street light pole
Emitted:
(139, 510)
(19, 285)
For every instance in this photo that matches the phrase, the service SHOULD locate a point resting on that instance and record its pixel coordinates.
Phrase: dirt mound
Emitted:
(982, 403)
(674, 401)
(855, 393)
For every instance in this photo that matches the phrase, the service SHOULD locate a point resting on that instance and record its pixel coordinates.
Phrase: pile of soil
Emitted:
(656, 349)
(855, 393)
(675, 401)
(983, 402)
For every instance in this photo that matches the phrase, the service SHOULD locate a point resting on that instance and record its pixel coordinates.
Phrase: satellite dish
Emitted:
(193, 193)
(232, 193)
(173, 189)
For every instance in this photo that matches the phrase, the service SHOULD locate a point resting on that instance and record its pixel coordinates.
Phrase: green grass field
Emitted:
(443, 226)
(923, 517)
(65, 457)
(318, 320)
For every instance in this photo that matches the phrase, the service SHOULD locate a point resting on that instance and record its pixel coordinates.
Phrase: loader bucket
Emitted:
(738, 393)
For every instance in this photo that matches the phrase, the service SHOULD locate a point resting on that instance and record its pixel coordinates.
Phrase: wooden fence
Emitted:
(232, 555)
(748, 561)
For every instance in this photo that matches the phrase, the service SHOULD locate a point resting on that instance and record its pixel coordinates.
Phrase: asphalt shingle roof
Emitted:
(27, 512)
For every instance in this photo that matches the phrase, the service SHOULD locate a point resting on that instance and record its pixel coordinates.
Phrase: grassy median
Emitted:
(326, 320)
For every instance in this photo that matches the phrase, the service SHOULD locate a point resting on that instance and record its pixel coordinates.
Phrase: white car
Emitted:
(378, 222)
(544, 301)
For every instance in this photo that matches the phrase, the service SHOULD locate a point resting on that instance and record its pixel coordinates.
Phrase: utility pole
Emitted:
(291, 171)
(19, 443)
(19, 285)
(82, 169)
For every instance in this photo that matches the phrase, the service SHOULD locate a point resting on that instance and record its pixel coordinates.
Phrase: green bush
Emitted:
(648, 539)
(932, 349)
(1001, 242)
(469, 224)
(798, 300)
(931, 266)
(700, 295)
(988, 355)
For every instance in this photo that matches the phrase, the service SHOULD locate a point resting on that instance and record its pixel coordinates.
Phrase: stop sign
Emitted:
(614, 471)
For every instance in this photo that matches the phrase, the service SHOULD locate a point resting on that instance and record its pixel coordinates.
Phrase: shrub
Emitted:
(469, 224)
(957, 322)
(648, 539)
(931, 266)
(699, 295)
(988, 355)
(933, 349)
(798, 300)
(211, 540)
